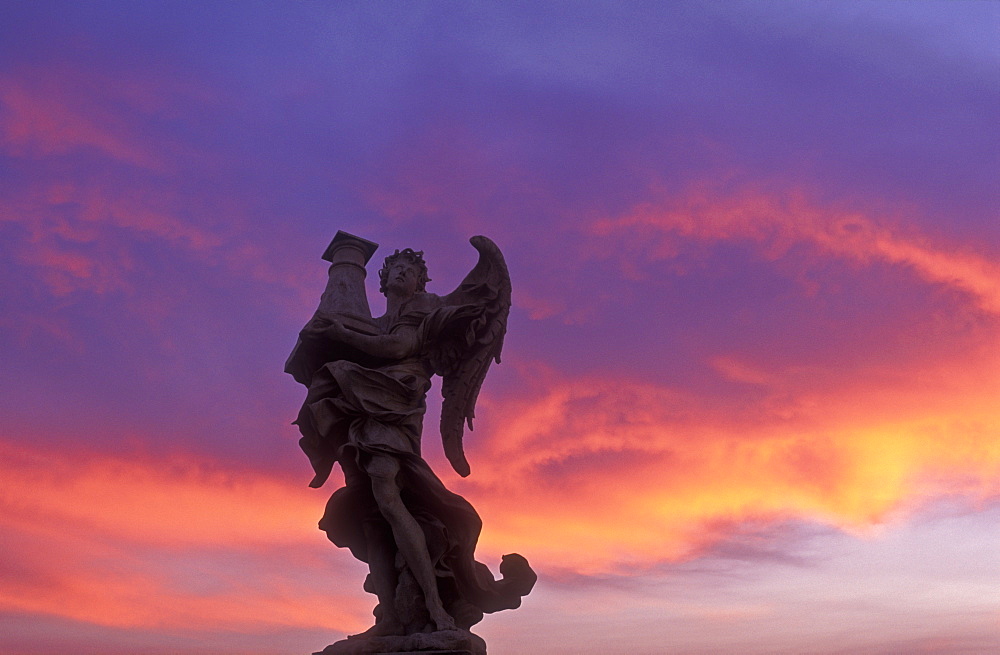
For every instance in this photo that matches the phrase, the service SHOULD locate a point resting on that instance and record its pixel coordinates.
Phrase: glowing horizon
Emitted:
(748, 394)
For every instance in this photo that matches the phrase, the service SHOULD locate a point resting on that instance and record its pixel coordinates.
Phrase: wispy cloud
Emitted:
(87, 237)
(46, 114)
(776, 222)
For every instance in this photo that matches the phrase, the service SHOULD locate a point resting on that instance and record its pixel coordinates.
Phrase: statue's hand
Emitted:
(324, 328)
(335, 330)
(315, 328)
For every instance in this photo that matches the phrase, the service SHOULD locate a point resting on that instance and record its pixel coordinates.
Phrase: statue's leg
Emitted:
(382, 564)
(408, 535)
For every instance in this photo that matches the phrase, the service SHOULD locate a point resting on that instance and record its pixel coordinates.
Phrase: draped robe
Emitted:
(354, 411)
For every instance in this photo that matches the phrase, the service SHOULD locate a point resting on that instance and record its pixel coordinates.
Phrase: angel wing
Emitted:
(471, 342)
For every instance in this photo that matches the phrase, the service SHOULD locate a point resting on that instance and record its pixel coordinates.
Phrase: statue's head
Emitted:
(406, 257)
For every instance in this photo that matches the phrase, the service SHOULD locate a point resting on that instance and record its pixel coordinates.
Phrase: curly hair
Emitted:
(415, 257)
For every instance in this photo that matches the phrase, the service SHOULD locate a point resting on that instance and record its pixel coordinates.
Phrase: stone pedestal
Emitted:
(445, 642)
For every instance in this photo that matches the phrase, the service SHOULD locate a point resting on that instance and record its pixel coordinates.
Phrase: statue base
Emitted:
(445, 642)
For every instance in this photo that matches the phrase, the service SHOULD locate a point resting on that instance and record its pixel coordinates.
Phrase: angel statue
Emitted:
(367, 383)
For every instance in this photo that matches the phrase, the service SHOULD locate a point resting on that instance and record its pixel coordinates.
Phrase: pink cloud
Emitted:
(66, 271)
(144, 215)
(46, 117)
(69, 109)
(89, 238)
(538, 308)
(777, 221)
(84, 238)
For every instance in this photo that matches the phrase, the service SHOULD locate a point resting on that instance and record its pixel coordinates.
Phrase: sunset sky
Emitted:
(750, 396)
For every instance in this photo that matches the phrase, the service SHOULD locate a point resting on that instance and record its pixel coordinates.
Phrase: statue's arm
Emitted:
(399, 344)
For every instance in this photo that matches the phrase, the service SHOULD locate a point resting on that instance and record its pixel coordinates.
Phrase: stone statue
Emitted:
(367, 382)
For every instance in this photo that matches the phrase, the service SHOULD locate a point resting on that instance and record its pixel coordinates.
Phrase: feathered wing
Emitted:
(469, 342)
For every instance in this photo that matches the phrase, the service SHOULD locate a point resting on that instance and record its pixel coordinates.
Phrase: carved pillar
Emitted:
(344, 299)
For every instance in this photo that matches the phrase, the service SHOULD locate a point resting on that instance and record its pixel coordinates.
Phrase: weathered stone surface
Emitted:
(445, 642)
(367, 381)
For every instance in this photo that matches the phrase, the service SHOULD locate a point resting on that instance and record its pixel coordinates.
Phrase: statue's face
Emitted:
(403, 278)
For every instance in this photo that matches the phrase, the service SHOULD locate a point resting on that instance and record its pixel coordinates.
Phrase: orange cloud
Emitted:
(779, 221)
(596, 474)
(175, 503)
(126, 590)
(118, 542)
(585, 475)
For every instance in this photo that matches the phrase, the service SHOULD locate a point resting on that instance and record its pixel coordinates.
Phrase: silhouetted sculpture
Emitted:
(367, 380)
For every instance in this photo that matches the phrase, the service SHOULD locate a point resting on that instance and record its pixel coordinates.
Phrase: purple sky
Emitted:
(748, 399)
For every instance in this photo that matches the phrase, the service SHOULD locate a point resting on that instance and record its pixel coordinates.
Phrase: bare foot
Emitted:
(384, 628)
(443, 621)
